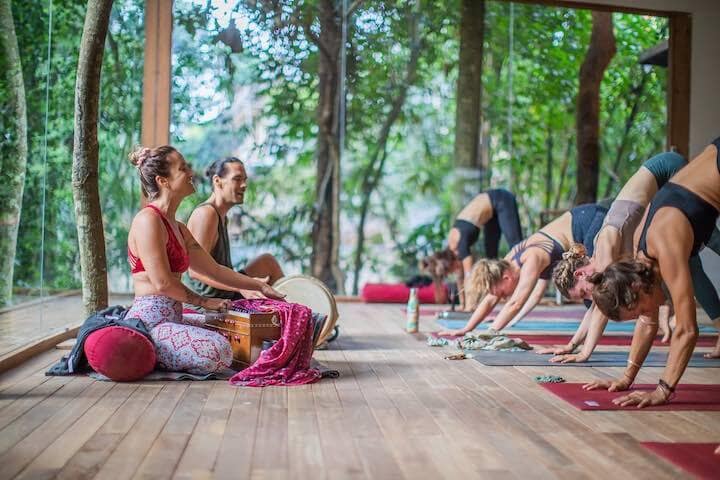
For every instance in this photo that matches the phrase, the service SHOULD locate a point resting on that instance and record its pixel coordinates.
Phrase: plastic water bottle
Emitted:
(413, 312)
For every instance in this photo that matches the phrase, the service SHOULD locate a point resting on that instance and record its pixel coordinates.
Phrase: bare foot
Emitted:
(717, 450)
(714, 354)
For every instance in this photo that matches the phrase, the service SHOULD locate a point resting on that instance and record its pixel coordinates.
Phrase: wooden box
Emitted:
(246, 332)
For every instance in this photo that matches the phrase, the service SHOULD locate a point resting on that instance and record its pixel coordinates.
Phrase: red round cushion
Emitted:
(120, 353)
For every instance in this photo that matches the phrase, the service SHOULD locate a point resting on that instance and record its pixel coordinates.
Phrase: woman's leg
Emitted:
(491, 234)
(707, 297)
(185, 348)
(509, 219)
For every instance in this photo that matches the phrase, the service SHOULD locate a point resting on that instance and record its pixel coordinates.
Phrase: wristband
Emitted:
(666, 386)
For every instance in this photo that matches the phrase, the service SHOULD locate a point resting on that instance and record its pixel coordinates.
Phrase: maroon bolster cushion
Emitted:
(395, 293)
(120, 353)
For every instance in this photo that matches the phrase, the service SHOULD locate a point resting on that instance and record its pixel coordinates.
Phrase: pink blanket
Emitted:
(288, 361)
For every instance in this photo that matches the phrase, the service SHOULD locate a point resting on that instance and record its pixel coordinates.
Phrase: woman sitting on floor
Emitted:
(678, 222)
(522, 276)
(615, 239)
(160, 249)
(496, 212)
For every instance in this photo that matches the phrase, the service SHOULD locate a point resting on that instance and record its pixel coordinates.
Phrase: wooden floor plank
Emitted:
(132, 449)
(86, 462)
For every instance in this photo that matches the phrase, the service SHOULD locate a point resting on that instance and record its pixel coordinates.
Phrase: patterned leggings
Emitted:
(181, 344)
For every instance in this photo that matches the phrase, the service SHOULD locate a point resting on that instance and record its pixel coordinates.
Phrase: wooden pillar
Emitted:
(155, 128)
(678, 83)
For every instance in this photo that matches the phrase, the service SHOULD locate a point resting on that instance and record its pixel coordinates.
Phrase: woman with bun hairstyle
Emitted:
(522, 276)
(160, 249)
(679, 220)
(615, 240)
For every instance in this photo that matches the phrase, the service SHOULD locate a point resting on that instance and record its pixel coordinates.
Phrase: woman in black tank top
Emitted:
(678, 222)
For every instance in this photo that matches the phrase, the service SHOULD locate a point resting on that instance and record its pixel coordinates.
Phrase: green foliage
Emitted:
(260, 104)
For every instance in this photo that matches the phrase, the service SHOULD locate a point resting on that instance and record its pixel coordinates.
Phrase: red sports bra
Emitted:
(177, 256)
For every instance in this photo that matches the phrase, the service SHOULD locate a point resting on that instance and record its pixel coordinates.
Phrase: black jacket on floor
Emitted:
(76, 362)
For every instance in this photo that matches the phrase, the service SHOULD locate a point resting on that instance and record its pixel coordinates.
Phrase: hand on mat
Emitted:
(642, 399)
(219, 304)
(569, 358)
(609, 385)
(553, 350)
(451, 333)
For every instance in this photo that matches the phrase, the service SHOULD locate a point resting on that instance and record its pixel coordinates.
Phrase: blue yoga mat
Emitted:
(553, 326)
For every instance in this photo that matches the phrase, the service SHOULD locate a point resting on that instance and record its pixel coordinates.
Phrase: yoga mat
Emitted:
(597, 359)
(554, 326)
(698, 459)
(555, 314)
(616, 340)
(687, 397)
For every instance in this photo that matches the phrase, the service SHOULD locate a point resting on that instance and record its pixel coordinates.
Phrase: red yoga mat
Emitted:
(687, 397)
(698, 459)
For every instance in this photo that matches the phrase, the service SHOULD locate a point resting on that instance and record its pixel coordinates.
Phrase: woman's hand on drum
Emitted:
(219, 304)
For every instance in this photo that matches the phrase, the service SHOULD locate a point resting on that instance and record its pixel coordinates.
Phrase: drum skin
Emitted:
(311, 292)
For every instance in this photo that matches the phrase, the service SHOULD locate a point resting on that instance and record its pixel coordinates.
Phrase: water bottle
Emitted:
(413, 312)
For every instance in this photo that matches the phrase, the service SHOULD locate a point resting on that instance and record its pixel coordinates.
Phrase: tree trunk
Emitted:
(469, 174)
(375, 168)
(600, 51)
(324, 261)
(86, 195)
(548, 168)
(14, 159)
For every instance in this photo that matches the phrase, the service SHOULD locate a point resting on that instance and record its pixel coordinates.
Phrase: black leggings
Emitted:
(705, 291)
(505, 221)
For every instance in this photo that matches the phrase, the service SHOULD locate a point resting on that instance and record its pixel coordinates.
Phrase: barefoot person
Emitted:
(160, 249)
(572, 273)
(522, 276)
(496, 212)
(679, 220)
(208, 224)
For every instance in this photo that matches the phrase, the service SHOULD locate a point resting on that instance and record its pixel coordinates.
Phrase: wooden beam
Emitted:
(678, 84)
(155, 128)
(599, 7)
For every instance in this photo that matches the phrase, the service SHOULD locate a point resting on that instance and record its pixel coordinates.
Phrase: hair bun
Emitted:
(577, 250)
(139, 156)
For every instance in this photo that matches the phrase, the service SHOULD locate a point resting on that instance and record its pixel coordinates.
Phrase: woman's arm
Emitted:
(483, 309)
(593, 331)
(207, 270)
(576, 340)
(532, 301)
(645, 330)
(529, 275)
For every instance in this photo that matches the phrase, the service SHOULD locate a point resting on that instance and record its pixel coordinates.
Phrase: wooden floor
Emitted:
(397, 411)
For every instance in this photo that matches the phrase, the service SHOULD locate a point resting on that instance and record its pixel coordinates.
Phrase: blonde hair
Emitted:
(485, 274)
(564, 272)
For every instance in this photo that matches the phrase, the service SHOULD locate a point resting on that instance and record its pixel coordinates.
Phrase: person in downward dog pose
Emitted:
(522, 276)
(614, 240)
(160, 249)
(679, 220)
(496, 212)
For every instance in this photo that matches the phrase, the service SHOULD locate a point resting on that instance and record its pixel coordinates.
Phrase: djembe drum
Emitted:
(311, 292)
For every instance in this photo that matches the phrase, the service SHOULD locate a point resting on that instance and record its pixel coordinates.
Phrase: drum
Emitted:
(311, 292)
